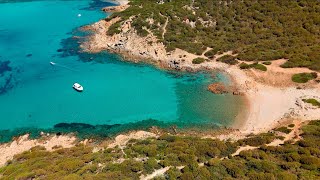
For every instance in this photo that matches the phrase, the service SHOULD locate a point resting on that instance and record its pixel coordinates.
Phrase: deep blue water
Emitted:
(34, 94)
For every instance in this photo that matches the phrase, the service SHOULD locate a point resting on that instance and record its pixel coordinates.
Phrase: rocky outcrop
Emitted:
(218, 88)
(115, 8)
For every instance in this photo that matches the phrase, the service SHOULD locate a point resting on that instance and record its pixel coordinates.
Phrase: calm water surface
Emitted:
(34, 94)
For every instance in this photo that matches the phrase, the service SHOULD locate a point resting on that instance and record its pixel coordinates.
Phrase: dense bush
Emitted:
(267, 63)
(253, 65)
(284, 130)
(259, 140)
(257, 30)
(228, 59)
(114, 29)
(314, 102)
(198, 61)
(303, 77)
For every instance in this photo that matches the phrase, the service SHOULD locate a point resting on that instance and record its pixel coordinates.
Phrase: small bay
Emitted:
(35, 94)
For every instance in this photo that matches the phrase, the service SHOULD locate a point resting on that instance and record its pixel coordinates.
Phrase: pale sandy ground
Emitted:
(121, 2)
(23, 143)
(156, 173)
(122, 139)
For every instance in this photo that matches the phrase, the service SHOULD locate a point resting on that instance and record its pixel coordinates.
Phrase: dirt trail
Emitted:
(156, 173)
(294, 135)
(164, 29)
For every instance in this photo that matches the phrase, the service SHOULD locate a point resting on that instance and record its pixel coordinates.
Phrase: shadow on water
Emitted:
(7, 81)
(97, 132)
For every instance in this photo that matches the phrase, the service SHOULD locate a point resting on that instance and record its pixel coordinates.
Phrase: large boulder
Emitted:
(218, 88)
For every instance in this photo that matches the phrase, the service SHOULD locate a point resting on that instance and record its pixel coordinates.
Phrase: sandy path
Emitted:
(293, 135)
(164, 29)
(243, 148)
(156, 173)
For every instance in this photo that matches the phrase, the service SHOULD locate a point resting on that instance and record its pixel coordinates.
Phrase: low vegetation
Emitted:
(291, 125)
(258, 140)
(228, 59)
(256, 30)
(284, 130)
(114, 29)
(304, 77)
(314, 102)
(198, 61)
(253, 65)
(267, 63)
(300, 160)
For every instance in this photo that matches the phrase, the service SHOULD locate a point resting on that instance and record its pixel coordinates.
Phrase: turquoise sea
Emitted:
(117, 95)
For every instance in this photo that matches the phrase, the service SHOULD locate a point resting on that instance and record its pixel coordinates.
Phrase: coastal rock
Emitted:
(115, 8)
(218, 88)
(237, 93)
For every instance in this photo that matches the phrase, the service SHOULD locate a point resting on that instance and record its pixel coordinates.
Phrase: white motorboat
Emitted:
(77, 87)
(52, 63)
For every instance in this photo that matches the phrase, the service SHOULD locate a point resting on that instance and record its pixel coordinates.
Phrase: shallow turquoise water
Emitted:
(35, 94)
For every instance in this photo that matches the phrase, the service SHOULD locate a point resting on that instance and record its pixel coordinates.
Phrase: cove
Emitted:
(34, 94)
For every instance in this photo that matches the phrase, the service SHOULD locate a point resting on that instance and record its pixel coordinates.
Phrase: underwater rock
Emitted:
(28, 55)
(218, 88)
(73, 126)
(4, 67)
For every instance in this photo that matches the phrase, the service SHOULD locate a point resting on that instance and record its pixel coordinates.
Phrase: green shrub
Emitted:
(284, 130)
(314, 102)
(259, 66)
(267, 63)
(244, 66)
(286, 176)
(258, 140)
(228, 60)
(198, 61)
(253, 65)
(291, 125)
(211, 53)
(303, 77)
(114, 29)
